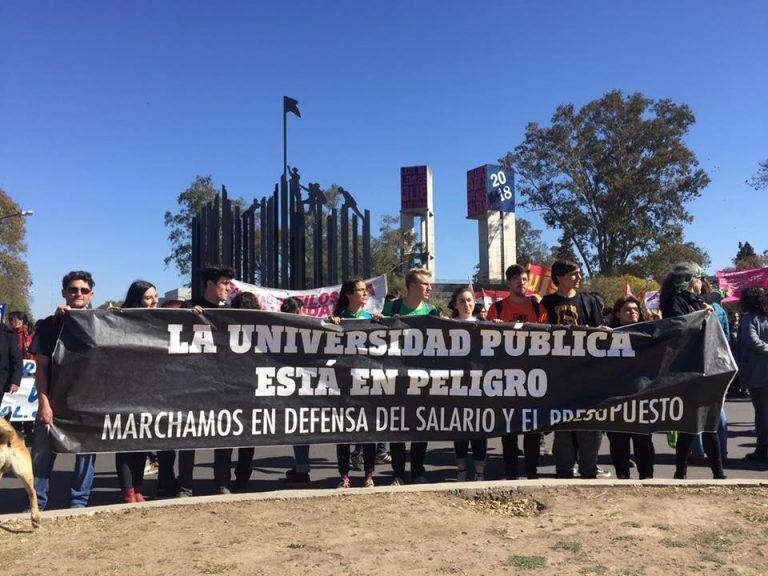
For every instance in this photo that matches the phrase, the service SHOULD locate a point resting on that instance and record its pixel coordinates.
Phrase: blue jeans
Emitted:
(301, 458)
(43, 460)
(722, 435)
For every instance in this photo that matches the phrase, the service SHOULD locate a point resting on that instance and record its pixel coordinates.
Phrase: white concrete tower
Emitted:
(417, 216)
(491, 201)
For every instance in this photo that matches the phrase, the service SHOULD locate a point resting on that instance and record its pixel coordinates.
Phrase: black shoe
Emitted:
(679, 476)
(293, 477)
(759, 455)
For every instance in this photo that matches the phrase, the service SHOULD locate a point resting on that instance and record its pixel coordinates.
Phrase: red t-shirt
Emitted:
(512, 312)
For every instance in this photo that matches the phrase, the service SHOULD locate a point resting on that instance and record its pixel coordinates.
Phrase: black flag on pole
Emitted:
(291, 105)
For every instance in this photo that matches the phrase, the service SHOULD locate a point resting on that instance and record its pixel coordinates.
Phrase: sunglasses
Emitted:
(75, 290)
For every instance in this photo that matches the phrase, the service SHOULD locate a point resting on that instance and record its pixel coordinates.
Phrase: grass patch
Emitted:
(526, 562)
(715, 540)
(714, 558)
(754, 516)
(661, 526)
(296, 545)
(631, 524)
(506, 504)
(624, 538)
(573, 547)
(673, 543)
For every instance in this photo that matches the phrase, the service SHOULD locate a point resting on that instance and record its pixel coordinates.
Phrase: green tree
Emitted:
(563, 250)
(611, 288)
(179, 222)
(760, 180)
(15, 279)
(657, 263)
(389, 251)
(746, 257)
(614, 175)
(745, 251)
(530, 247)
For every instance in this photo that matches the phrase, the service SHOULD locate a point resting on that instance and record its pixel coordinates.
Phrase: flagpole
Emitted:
(285, 143)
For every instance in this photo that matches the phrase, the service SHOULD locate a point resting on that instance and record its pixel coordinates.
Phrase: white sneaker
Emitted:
(397, 481)
(603, 473)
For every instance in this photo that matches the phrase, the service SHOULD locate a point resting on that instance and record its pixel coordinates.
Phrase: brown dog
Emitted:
(15, 457)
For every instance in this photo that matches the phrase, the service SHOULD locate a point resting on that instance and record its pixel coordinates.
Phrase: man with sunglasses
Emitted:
(77, 290)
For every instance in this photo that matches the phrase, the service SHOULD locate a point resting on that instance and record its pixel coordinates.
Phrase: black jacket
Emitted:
(11, 362)
(680, 304)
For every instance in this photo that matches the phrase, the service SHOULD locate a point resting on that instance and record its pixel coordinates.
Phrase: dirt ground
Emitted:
(628, 531)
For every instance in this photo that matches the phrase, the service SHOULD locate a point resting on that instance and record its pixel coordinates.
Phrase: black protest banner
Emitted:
(157, 379)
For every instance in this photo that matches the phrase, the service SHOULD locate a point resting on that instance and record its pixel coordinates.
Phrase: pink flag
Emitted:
(734, 282)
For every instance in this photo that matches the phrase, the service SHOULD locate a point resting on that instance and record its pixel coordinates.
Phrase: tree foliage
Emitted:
(179, 222)
(745, 251)
(657, 263)
(746, 257)
(531, 249)
(563, 250)
(760, 180)
(611, 288)
(388, 251)
(15, 279)
(614, 176)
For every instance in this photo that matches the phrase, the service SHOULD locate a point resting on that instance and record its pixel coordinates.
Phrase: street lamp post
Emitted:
(23, 214)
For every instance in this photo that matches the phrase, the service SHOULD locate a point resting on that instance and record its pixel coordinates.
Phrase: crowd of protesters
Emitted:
(685, 290)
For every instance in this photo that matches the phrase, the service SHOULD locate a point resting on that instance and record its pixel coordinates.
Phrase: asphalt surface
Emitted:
(270, 464)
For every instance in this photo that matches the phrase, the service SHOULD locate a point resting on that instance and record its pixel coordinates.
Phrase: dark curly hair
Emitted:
(755, 300)
(619, 304)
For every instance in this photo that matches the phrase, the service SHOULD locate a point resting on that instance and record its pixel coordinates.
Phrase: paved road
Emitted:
(270, 464)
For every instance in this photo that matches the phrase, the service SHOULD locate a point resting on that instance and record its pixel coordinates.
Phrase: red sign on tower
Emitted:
(414, 188)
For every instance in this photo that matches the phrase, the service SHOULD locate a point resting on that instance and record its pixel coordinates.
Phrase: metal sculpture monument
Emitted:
(266, 243)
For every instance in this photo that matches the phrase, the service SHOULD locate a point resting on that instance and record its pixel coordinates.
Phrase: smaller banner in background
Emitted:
(22, 404)
(318, 302)
(735, 282)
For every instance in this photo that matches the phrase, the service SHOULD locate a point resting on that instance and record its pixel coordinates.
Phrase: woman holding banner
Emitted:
(462, 305)
(353, 296)
(626, 311)
(130, 465)
(679, 296)
(753, 339)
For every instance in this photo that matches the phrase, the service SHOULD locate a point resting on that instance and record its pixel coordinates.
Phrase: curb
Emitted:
(447, 487)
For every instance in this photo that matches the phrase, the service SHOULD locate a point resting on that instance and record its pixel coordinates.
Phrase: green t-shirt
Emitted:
(398, 308)
(361, 314)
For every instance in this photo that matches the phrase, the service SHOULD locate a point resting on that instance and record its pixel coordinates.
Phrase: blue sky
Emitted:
(109, 109)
